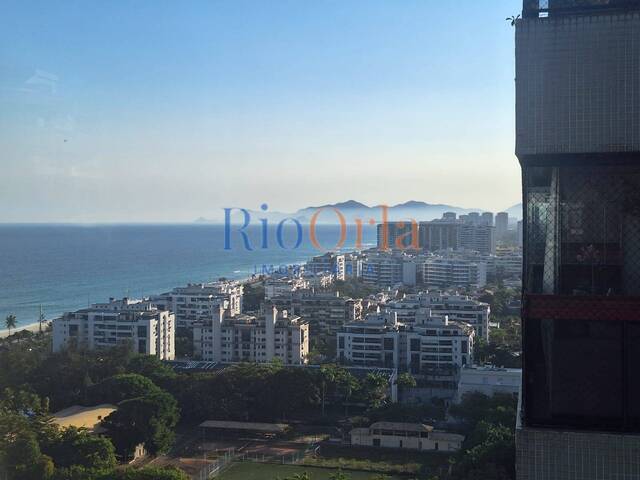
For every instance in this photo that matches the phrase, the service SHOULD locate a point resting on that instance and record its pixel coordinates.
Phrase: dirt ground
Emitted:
(192, 451)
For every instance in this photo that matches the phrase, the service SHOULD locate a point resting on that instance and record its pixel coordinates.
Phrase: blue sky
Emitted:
(167, 111)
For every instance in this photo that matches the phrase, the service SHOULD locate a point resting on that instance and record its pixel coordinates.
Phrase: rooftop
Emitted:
(401, 426)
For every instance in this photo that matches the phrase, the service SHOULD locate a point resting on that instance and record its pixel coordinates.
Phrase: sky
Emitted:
(166, 111)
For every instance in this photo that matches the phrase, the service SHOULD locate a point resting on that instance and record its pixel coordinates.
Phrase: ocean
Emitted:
(65, 267)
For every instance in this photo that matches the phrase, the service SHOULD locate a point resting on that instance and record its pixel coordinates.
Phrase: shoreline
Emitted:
(240, 277)
(32, 327)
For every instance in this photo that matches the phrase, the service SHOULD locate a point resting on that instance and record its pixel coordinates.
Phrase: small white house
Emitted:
(411, 436)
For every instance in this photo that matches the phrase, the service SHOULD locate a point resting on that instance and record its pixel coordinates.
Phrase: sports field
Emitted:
(262, 471)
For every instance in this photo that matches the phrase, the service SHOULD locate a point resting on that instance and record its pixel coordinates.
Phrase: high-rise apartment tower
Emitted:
(578, 142)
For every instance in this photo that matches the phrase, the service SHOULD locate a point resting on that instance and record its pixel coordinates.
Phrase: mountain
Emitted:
(422, 211)
(515, 211)
(350, 206)
(351, 210)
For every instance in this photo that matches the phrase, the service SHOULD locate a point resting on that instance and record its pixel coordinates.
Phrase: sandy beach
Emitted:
(32, 327)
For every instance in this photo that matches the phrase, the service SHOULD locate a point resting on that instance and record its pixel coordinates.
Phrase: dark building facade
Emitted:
(397, 235)
(445, 234)
(441, 234)
(578, 142)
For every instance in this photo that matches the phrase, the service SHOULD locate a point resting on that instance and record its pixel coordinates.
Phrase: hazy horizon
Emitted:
(273, 216)
(157, 112)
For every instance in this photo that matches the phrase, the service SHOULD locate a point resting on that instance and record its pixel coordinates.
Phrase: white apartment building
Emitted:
(247, 338)
(326, 312)
(432, 345)
(410, 436)
(326, 262)
(341, 265)
(349, 265)
(277, 287)
(469, 232)
(460, 308)
(489, 380)
(478, 237)
(382, 269)
(148, 329)
(371, 342)
(507, 263)
(453, 271)
(196, 302)
(437, 346)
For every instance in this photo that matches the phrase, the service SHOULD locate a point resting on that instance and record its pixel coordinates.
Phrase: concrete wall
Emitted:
(410, 443)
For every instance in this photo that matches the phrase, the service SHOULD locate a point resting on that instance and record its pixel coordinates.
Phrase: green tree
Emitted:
(10, 322)
(290, 390)
(79, 447)
(328, 375)
(339, 475)
(353, 288)
(24, 460)
(493, 455)
(497, 353)
(66, 376)
(336, 379)
(499, 409)
(498, 299)
(153, 368)
(146, 473)
(253, 296)
(150, 419)
(406, 380)
(374, 389)
(22, 411)
(121, 387)
(297, 476)
(151, 473)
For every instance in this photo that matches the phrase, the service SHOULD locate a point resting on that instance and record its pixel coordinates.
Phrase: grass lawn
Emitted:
(264, 471)
(379, 460)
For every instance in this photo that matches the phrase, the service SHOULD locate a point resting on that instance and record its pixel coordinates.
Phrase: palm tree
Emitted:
(513, 19)
(10, 322)
(41, 318)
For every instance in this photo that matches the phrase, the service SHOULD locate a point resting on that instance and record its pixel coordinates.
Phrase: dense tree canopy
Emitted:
(148, 419)
(120, 387)
(353, 288)
(489, 447)
(149, 396)
(74, 446)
